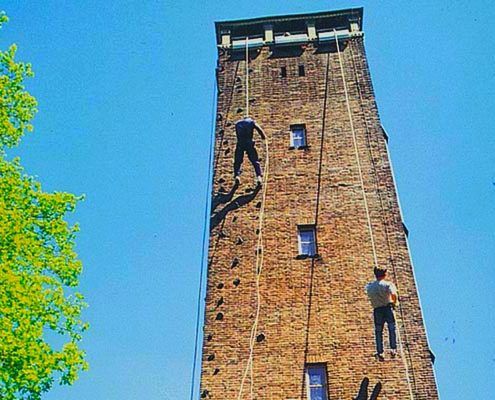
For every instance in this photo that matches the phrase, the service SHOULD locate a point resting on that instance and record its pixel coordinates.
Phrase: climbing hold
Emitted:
(235, 263)
(219, 117)
(221, 180)
(234, 218)
(220, 285)
(252, 100)
(227, 151)
(219, 301)
(257, 251)
(209, 337)
(239, 110)
(225, 142)
(211, 357)
(216, 371)
(258, 204)
(260, 338)
(221, 189)
(204, 393)
(239, 241)
(228, 124)
(238, 79)
(251, 70)
(237, 281)
(219, 316)
(257, 231)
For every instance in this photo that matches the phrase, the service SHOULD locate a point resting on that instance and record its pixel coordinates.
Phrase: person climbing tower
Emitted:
(244, 130)
(383, 297)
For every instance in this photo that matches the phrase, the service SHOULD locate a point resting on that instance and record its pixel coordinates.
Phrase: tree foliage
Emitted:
(40, 325)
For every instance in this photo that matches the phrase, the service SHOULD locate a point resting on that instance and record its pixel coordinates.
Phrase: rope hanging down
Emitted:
(259, 255)
(368, 217)
(203, 245)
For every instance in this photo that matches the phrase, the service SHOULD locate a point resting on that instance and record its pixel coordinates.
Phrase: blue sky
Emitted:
(125, 93)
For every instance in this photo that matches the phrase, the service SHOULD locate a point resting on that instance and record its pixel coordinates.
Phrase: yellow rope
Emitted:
(370, 229)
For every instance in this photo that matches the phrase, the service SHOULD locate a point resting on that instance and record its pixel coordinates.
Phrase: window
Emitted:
(283, 72)
(298, 136)
(316, 379)
(306, 238)
(302, 72)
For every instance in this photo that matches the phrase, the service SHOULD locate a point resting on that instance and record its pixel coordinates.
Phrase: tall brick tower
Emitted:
(286, 313)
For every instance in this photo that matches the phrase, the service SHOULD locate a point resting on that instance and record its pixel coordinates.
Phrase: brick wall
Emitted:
(312, 310)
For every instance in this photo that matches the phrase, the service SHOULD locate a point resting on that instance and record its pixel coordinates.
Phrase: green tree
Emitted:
(39, 269)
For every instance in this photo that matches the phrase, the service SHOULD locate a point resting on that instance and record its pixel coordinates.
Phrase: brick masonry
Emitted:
(312, 310)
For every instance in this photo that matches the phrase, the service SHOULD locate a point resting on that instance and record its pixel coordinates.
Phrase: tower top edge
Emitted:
(292, 22)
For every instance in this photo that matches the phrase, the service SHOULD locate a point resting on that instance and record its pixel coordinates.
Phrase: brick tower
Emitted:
(286, 313)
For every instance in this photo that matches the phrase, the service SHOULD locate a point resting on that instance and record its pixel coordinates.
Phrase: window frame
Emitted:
(300, 230)
(295, 127)
(324, 385)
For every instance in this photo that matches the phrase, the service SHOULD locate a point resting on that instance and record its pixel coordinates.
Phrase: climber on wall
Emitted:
(244, 130)
(383, 298)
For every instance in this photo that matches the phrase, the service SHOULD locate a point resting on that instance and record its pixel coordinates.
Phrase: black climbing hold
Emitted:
(260, 338)
(239, 110)
(239, 241)
(257, 251)
(258, 204)
(252, 100)
(228, 124)
(221, 189)
(225, 142)
(221, 131)
(227, 151)
(234, 218)
(219, 316)
(238, 79)
(257, 231)
(209, 337)
(220, 285)
(216, 371)
(211, 357)
(221, 180)
(235, 263)
(251, 70)
(204, 393)
(237, 281)
(219, 301)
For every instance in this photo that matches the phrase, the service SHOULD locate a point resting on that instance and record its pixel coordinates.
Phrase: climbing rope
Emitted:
(258, 270)
(389, 204)
(203, 245)
(247, 75)
(259, 255)
(368, 217)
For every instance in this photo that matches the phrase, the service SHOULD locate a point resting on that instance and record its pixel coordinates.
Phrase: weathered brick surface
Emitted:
(312, 310)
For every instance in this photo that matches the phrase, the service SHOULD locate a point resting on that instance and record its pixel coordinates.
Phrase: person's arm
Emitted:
(393, 294)
(260, 131)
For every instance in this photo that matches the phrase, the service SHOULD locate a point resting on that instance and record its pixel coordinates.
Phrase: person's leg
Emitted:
(253, 157)
(238, 156)
(379, 322)
(389, 317)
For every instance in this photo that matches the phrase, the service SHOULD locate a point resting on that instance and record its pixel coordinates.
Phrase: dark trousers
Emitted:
(382, 315)
(252, 155)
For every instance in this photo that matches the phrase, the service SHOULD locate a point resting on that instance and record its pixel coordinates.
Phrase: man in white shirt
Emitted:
(383, 297)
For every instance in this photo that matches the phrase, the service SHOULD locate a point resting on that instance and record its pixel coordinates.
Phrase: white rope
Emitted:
(247, 76)
(258, 270)
(370, 229)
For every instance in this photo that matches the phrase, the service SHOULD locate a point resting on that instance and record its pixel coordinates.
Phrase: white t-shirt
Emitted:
(379, 292)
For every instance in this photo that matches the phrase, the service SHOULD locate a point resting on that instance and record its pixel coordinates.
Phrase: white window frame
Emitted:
(295, 127)
(324, 385)
(306, 228)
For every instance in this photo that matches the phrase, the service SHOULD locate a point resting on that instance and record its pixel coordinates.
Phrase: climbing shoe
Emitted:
(259, 181)
(379, 357)
(393, 353)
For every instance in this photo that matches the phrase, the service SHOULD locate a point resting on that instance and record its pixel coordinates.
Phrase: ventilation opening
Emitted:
(302, 72)
(283, 72)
